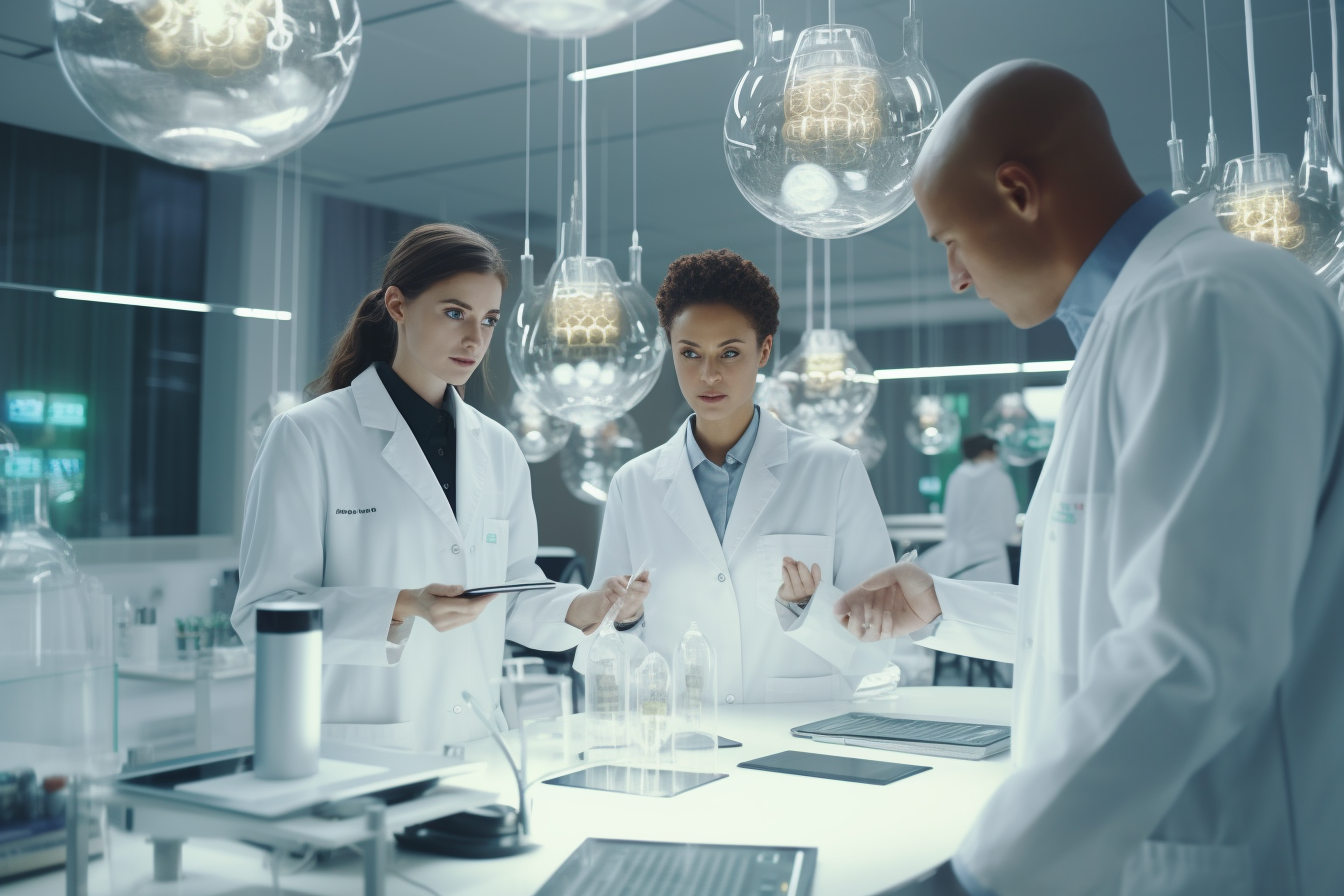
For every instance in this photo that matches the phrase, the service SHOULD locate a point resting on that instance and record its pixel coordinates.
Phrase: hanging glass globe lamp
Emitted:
(868, 439)
(1022, 438)
(826, 144)
(564, 18)
(830, 385)
(933, 428)
(591, 457)
(539, 435)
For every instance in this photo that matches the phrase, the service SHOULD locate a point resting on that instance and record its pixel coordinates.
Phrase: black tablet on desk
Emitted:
(837, 768)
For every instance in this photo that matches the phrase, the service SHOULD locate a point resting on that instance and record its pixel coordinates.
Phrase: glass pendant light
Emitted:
(826, 145)
(212, 84)
(868, 439)
(773, 397)
(564, 18)
(1182, 191)
(1022, 439)
(1260, 200)
(932, 428)
(589, 349)
(830, 385)
(539, 435)
(591, 457)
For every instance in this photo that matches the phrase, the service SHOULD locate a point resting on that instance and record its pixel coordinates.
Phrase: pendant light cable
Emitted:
(583, 145)
(826, 291)
(560, 149)
(1250, 64)
(275, 296)
(634, 134)
(809, 283)
(1171, 91)
(1311, 45)
(1208, 68)
(527, 155)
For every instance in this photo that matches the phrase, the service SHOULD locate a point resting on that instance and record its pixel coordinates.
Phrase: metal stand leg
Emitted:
(76, 839)
(376, 858)
(167, 860)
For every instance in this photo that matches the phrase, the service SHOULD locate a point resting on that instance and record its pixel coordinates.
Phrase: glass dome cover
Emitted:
(933, 428)
(868, 439)
(1022, 438)
(826, 145)
(212, 84)
(591, 457)
(830, 385)
(564, 18)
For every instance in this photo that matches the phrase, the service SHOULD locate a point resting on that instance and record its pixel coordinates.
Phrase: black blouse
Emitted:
(433, 428)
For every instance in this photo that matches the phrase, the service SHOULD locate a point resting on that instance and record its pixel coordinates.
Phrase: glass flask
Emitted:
(1022, 438)
(826, 145)
(830, 385)
(261, 418)
(933, 428)
(653, 691)
(57, 672)
(1319, 179)
(213, 84)
(1182, 191)
(539, 435)
(564, 18)
(868, 439)
(592, 456)
(695, 704)
(606, 729)
(589, 347)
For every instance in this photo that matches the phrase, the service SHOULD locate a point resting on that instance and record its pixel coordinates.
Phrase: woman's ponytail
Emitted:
(426, 255)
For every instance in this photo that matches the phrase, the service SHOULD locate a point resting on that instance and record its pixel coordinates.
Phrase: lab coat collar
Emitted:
(471, 469)
(759, 484)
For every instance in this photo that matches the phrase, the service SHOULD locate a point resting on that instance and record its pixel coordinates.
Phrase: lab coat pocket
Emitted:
(819, 689)
(1073, 522)
(771, 551)
(492, 553)
(1159, 868)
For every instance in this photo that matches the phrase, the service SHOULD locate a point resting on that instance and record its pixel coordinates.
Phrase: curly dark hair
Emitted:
(719, 277)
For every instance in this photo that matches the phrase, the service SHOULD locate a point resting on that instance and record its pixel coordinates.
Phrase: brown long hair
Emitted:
(428, 254)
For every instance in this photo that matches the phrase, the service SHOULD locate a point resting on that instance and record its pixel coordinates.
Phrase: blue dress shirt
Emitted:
(1095, 278)
(719, 484)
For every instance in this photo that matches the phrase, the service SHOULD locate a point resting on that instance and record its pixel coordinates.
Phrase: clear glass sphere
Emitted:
(591, 457)
(539, 435)
(830, 384)
(564, 18)
(590, 347)
(826, 144)
(1022, 438)
(933, 428)
(773, 397)
(211, 84)
(261, 418)
(868, 439)
(1261, 201)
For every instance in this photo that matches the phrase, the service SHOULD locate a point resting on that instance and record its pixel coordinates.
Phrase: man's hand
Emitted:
(440, 606)
(896, 601)
(587, 611)
(798, 582)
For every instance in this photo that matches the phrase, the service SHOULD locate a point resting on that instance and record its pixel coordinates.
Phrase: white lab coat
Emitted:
(343, 508)
(1178, 721)
(800, 496)
(980, 515)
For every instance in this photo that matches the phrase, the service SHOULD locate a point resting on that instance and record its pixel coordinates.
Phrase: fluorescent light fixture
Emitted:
(929, 373)
(635, 65)
(168, 304)
(142, 301)
(263, 313)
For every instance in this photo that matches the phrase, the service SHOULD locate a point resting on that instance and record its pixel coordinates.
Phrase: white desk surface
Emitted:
(869, 838)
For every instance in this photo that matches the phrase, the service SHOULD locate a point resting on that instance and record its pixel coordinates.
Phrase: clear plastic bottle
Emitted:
(695, 703)
(606, 733)
(653, 685)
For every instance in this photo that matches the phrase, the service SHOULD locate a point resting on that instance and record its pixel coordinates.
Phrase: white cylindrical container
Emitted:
(144, 637)
(289, 690)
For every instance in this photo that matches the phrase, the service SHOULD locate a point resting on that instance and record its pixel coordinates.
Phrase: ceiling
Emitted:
(434, 121)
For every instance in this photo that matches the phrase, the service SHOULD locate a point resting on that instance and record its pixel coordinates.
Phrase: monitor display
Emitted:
(67, 409)
(24, 464)
(930, 486)
(25, 407)
(65, 474)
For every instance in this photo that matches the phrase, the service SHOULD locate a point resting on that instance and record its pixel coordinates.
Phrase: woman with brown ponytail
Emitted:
(387, 496)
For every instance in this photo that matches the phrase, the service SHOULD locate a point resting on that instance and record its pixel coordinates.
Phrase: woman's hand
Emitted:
(587, 611)
(896, 601)
(799, 583)
(440, 605)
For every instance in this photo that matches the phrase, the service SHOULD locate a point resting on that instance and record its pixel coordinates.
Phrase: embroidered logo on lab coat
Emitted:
(1067, 512)
(491, 538)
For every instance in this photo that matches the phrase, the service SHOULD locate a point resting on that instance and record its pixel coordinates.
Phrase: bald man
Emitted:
(1178, 720)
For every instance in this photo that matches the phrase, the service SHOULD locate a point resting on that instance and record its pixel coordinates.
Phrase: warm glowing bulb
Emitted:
(585, 319)
(1267, 217)
(825, 371)
(217, 36)
(832, 115)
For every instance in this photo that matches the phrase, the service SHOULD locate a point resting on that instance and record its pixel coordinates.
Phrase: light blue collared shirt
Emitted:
(719, 484)
(1082, 300)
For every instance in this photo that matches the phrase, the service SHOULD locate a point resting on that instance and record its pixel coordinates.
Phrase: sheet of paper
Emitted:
(247, 786)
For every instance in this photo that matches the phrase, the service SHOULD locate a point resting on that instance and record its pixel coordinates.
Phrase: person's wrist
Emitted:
(581, 612)
(405, 606)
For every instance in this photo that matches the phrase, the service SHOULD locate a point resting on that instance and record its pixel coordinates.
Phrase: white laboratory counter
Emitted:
(869, 838)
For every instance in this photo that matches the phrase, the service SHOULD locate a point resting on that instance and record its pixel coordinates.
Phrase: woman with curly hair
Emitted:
(750, 529)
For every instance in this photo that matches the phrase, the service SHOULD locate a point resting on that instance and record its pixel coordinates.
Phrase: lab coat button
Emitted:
(473, 549)
(722, 578)
(730, 699)
(1027, 642)
(457, 709)
(457, 549)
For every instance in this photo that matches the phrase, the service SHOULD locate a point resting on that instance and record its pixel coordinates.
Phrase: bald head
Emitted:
(1020, 179)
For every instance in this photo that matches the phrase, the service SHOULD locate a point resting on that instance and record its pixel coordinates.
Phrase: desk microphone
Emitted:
(487, 832)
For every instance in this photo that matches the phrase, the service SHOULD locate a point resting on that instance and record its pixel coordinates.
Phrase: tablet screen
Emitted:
(839, 768)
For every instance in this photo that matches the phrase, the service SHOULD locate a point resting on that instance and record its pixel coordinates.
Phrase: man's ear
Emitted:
(1019, 190)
